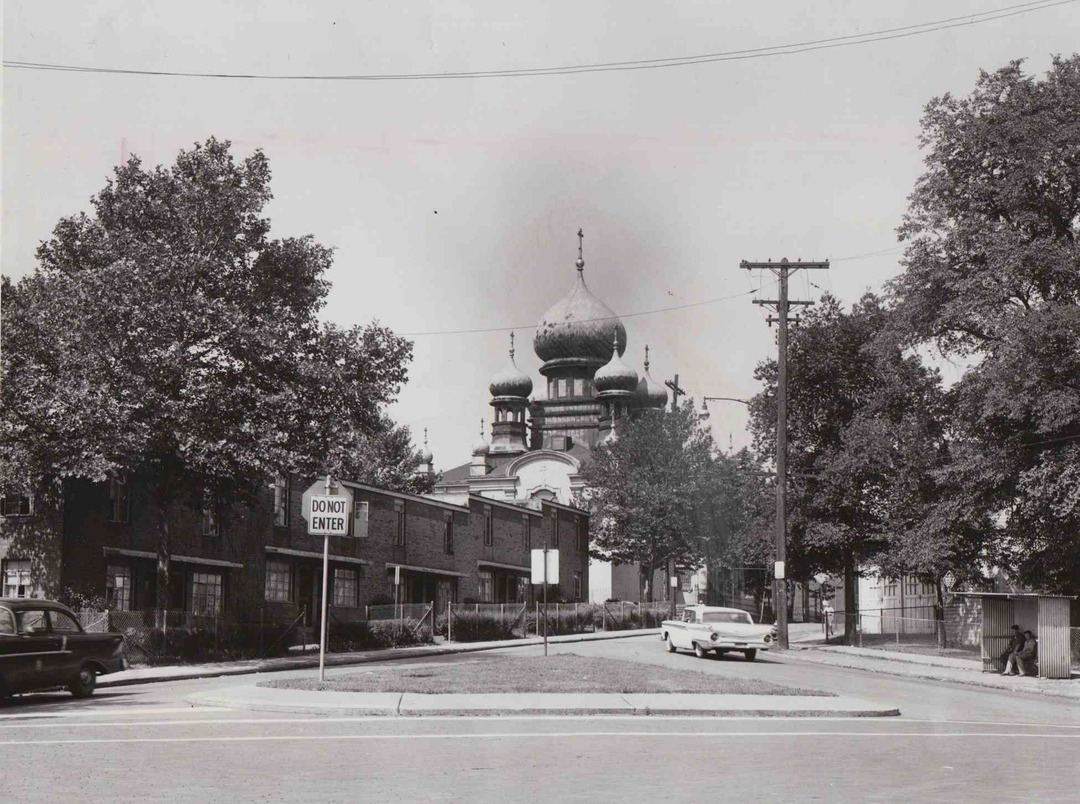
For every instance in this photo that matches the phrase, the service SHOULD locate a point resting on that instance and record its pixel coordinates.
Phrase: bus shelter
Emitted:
(1046, 616)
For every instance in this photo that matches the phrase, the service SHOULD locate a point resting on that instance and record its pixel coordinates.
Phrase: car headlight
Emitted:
(768, 638)
(714, 636)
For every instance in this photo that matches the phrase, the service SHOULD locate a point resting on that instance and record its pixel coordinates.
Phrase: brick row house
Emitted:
(255, 561)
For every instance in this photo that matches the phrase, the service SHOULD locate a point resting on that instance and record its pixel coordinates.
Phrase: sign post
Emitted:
(328, 517)
(545, 565)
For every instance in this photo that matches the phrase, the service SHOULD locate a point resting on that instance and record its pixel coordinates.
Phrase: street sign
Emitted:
(778, 571)
(674, 581)
(538, 575)
(329, 515)
(397, 576)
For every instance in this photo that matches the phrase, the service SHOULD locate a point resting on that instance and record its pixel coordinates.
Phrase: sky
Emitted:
(453, 204)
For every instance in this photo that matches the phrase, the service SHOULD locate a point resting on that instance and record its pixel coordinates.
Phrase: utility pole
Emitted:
(676, 392)
(782, 305)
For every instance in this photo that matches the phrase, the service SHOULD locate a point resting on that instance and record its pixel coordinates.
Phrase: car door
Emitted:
(10, 648)
(74, 644)
(682, 634)
(38, 657)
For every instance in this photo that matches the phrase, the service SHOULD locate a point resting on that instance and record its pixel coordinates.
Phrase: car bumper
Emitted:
(721, 645)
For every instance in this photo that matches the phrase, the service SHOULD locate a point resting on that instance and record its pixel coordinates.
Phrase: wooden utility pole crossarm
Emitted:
(782, 305)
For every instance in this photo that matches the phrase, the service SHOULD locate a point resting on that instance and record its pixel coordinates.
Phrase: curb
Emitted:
(381, 707)
(349, 660)
(925, 674)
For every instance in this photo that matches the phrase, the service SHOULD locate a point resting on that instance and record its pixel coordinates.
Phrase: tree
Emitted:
(166, 336)
(647, 490)
(866, 442)
(992, 276)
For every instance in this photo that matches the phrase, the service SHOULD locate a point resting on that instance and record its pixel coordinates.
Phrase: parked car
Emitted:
(43, 646)
(716, 630)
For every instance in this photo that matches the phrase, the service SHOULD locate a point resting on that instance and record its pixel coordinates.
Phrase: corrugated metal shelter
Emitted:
(1047, 616)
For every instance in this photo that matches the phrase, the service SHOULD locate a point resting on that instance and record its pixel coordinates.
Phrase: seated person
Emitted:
(1028, 654)
(1008, 660)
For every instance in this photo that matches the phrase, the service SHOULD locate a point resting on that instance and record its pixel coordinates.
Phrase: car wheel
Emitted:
(670, 644)
(699, 651)
(750, 654)
(87, 681)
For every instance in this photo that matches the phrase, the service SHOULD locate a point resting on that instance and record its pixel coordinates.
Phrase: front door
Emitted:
(305, 594)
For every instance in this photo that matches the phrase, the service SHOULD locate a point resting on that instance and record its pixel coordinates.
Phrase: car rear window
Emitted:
(7, 622)
(32, 621)
(726, 617)
(63, 622)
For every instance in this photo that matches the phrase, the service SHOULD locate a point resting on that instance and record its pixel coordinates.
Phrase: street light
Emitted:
(704, 415)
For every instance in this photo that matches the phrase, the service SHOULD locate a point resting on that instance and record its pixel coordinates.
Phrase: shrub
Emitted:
(484, 626)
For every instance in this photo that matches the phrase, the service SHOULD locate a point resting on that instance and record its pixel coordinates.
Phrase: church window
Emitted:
(582, 535)
(448, 534)
(489, 527)
(562, 387)
(399, 524)
(526, 532)
(555, 527)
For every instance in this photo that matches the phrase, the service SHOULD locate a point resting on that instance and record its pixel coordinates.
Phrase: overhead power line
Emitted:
(886, 34)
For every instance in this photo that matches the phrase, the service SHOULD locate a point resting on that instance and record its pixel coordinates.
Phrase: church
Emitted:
(540, 438)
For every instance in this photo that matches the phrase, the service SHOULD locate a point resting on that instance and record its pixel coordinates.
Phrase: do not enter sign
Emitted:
(329, 516)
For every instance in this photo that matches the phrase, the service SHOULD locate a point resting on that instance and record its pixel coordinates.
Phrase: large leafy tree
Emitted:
(992, 277)
(167, 336)
(866, 445)
(647, 489)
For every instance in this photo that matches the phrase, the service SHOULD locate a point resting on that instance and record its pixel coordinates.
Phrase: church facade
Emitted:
(540, 438)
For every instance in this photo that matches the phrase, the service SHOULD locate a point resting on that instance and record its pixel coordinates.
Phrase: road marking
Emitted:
(524, 736)
(112, 712)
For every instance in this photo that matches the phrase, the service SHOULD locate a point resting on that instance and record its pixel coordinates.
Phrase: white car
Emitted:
(716, 630)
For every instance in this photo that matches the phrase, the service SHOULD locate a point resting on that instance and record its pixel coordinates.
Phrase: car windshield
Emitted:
(725, 617)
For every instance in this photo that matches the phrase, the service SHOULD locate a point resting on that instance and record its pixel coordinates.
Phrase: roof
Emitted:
(1014, 595)
(455, 475)
(19, 603)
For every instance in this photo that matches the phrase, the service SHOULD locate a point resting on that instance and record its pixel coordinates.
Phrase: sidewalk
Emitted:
(936, 668)
(397, 704)
(183, 672)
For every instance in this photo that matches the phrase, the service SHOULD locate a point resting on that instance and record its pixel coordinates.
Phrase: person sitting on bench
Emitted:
(1008, 658)
(1027, 655)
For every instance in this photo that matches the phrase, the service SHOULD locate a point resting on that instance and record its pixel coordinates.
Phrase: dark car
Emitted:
(43, 646)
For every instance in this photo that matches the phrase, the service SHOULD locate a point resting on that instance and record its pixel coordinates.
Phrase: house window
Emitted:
(911, 585)
(361, 512)
(118, 587)
(17, 578)
(118, 498)
(577, 585)
(209, 515)
(889, 589)
(399, 525)
(489, 527)
(281, 502)
(16, 505)
(206, 594)
(487, 586)
(278, 580)
(448, 533)
(526, 532)
(346, 583)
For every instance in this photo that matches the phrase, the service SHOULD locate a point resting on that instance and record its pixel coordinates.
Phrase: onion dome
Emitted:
(615, 375)
(511, 381)
(425, 454)
(481, 447)
(650, 393)
(578, 326)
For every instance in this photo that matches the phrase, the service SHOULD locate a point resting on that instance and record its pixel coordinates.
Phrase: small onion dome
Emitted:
(425, 454)
(615, 375)
(481, 447)
(577, 326)
(511, 381)
(650, 393)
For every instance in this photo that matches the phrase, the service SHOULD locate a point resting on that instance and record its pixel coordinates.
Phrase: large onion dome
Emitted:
(511, 381)
(615, 375)
(578, 326)
(650, 393)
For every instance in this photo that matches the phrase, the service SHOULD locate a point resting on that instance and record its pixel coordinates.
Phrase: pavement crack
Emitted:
(632, 707)
(397, 710)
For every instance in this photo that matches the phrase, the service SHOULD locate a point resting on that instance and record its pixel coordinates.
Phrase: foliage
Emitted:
(167, 336)
(992, 276)
(647, 490)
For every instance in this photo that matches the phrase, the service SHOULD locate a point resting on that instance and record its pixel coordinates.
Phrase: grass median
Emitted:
(567, 673)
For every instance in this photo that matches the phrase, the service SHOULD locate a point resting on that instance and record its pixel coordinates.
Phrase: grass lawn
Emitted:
(561, 673)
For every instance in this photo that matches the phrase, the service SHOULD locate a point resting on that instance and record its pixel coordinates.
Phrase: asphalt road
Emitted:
(145, 743)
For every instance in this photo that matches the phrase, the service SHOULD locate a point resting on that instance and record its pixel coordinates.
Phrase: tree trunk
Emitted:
(164, 555)
(850, 604)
